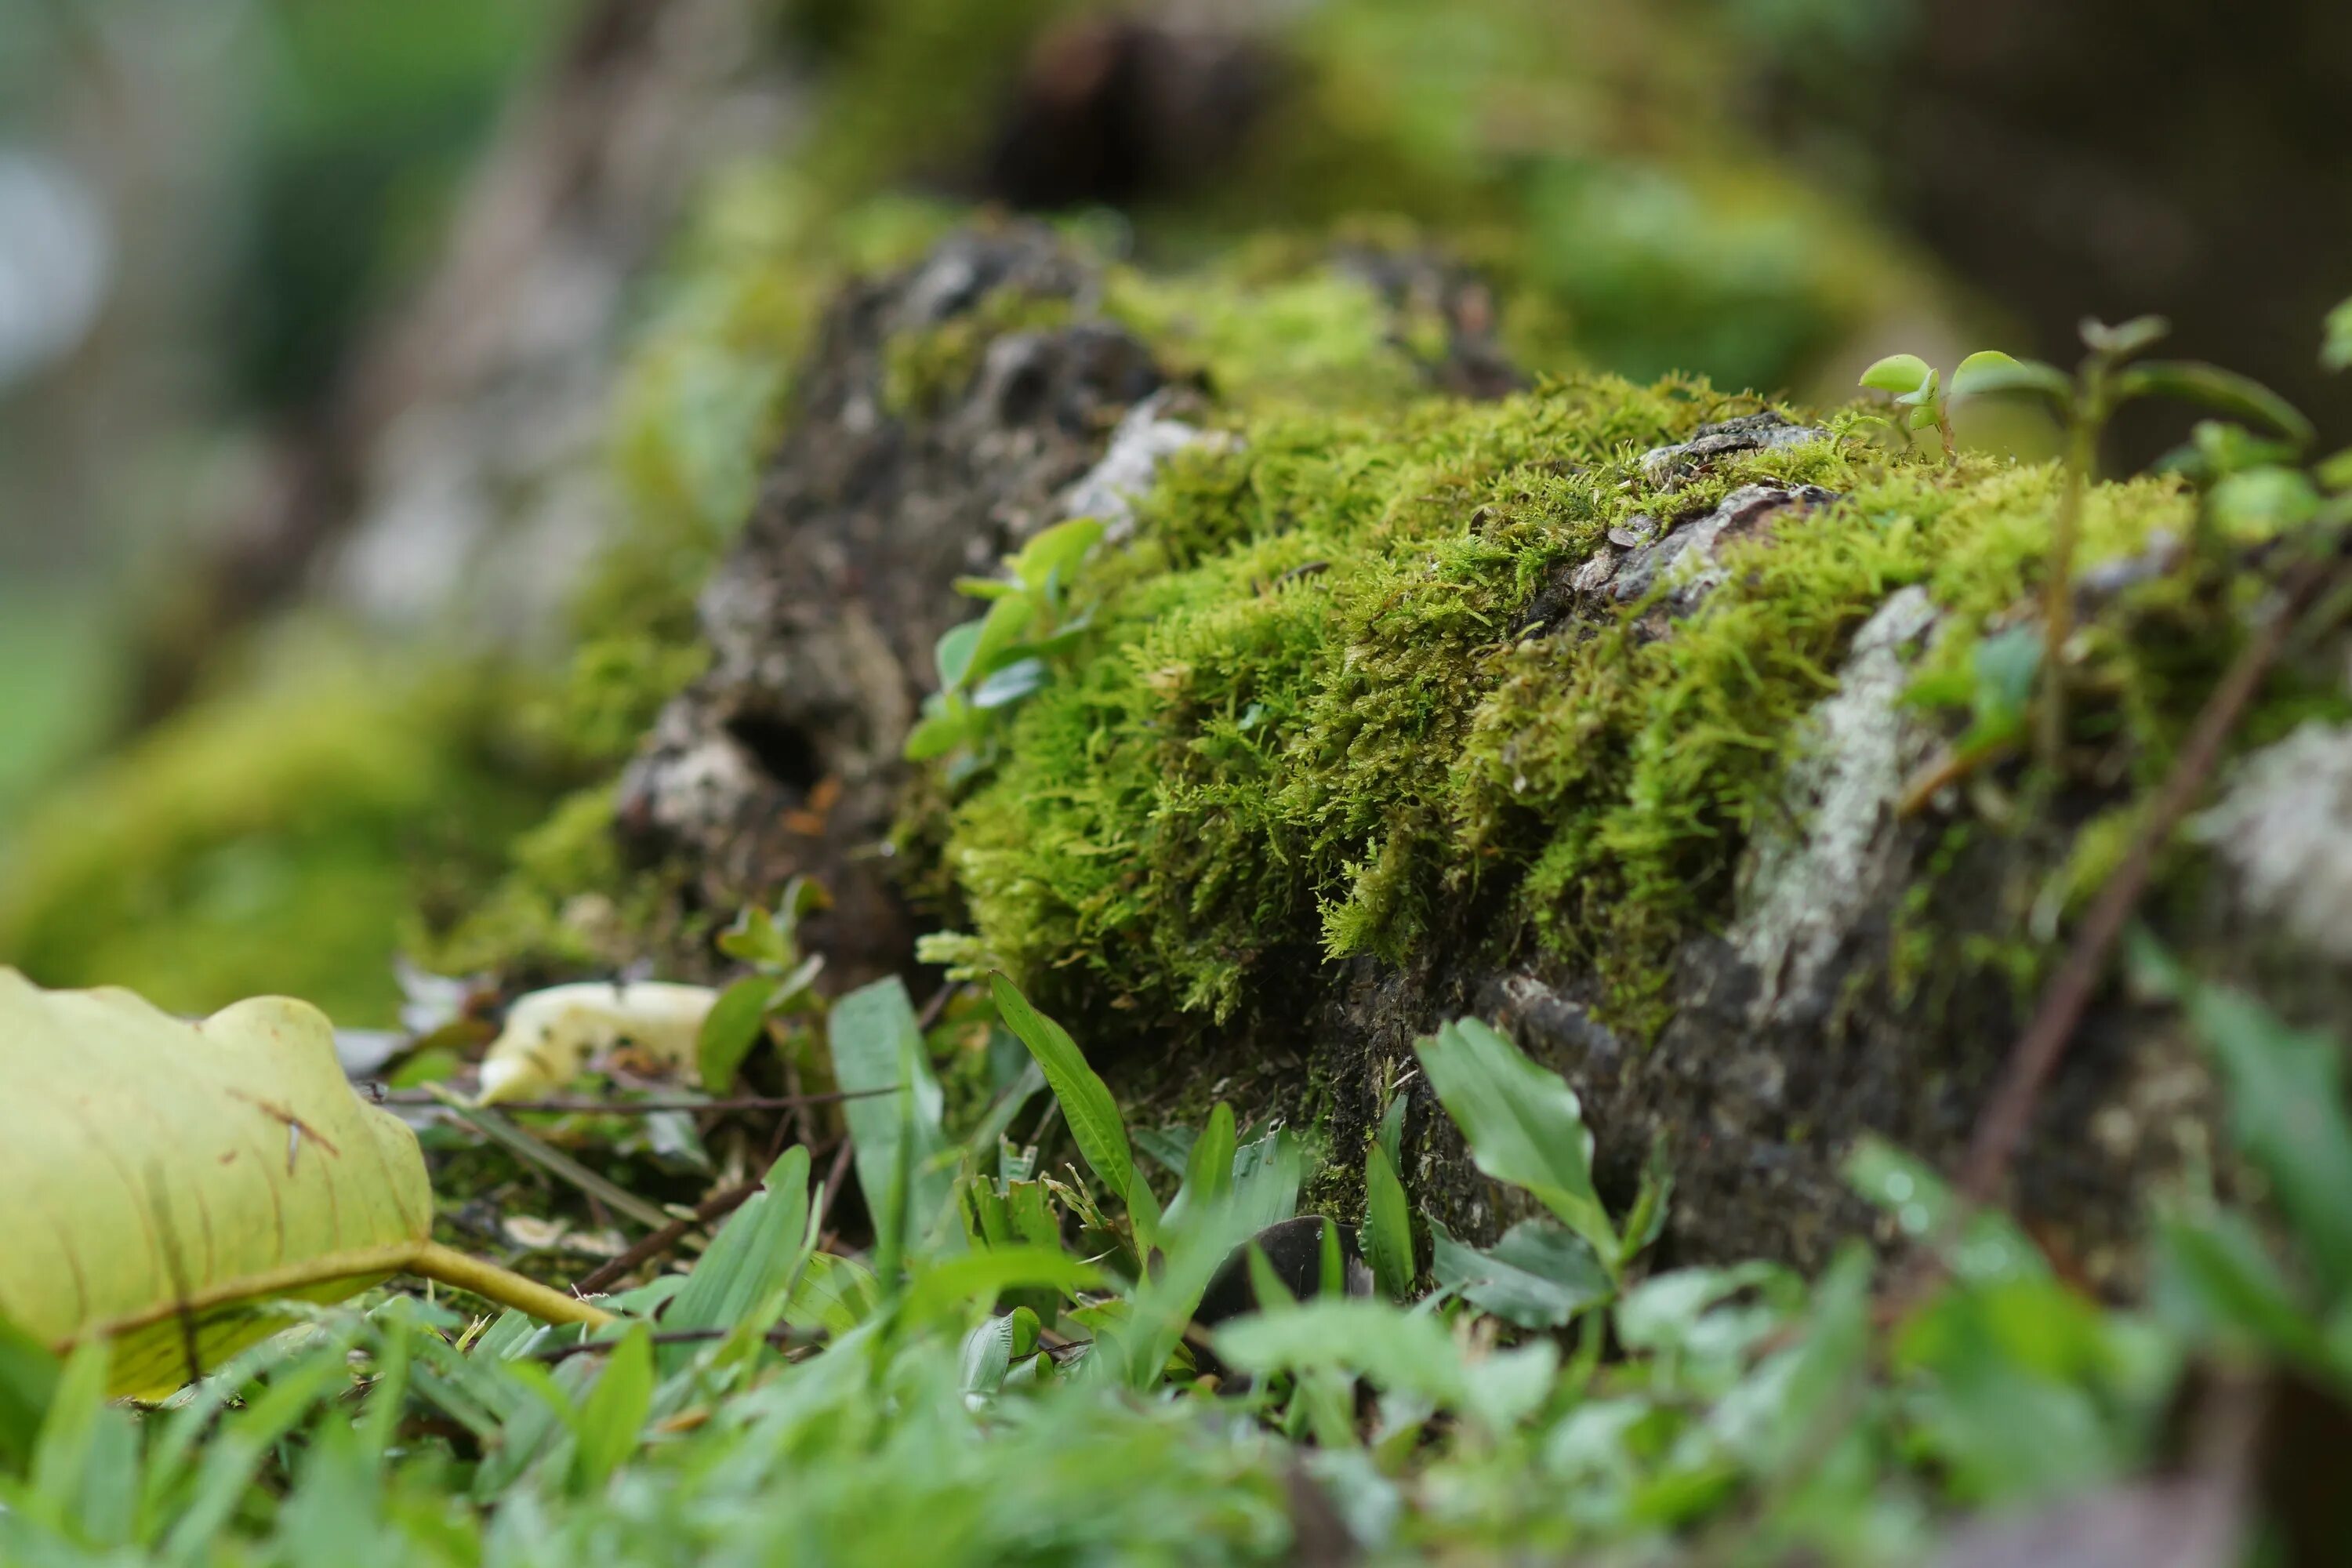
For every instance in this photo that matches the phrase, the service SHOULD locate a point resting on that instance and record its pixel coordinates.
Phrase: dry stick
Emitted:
(2036, 1054)
(833, 1180)
(937, 1005)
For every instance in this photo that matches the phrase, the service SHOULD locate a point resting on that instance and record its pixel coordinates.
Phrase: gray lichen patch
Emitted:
(2284, 828)
(1809, 874)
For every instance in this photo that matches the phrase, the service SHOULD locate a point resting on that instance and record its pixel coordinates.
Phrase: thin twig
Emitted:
(2037, 1053)
(834, 1178)
(937, 1005)
(782, 1337)
(648, 1107)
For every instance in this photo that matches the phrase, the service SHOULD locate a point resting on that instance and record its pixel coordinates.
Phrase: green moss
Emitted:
(1313, 726)
(1277, 323)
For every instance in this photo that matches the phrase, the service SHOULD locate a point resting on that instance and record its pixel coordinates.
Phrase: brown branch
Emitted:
(2038, 1051)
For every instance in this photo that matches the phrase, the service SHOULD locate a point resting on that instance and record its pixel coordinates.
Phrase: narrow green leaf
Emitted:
(1524, 1125)
(1897, 373)
(1388, 1227)
(729, 1030)
(1267, 1171)
(2223, 391)
(613, 1415)
(1086, 1102)
(70, 1428)
(872, 1031)
(2217, 1272)
(2286, 1090)
(752, 1257)
(986, 588)
(1209, 1168)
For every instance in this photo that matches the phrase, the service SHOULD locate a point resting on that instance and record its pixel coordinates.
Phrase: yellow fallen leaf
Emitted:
(549, 1035)
(159, 1176)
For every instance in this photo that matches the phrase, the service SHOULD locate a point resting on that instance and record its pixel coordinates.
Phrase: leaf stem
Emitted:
(504, 1286)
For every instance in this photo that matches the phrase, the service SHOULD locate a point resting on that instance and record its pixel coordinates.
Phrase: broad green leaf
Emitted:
(1000, 632)
(1923, 398)
(1388, 1227)
(729, 1030)
(1539, 1276)
(1009, 685)
(876, 1039)
(2124, 337)
(150, 1167)
(1524, 1123)
(2223, 391)
(549, 1035)
(1919, 419)
(2262, 503)
(1394, 1349)
(612, 1416)
(1997, 376)
(956, 647)
(1050, 560)
(941, 731)
(1085, 1099)
(1897, 373)
(754, 939)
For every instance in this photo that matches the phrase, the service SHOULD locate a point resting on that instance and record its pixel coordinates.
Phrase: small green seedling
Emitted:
(985, 666)
(781, 984)
(1922, 395)
(2110, 375)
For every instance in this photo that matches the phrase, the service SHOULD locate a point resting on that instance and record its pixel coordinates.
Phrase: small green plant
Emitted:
(2111, 374)
(780, 988)
(1923, 397)
(989, 664)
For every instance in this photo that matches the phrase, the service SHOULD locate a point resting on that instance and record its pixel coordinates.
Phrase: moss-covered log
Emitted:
(1588, 709)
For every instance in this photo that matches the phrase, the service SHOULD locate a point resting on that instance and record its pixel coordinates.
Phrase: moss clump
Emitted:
(1317, 722)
